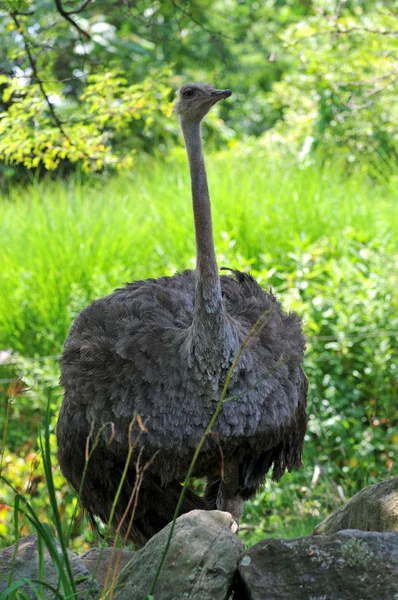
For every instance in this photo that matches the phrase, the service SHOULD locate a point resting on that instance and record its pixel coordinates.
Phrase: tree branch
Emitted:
(376, 90)
(33, 66)
(392, 32)
(79, 10)
(337, 30)
(23, 14)
(66, 15)
(364, 82)
(214, 34)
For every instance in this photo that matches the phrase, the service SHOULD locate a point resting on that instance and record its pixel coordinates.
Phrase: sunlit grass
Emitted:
(64, 243)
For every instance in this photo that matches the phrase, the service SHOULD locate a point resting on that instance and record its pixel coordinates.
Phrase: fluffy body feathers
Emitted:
(133, 352)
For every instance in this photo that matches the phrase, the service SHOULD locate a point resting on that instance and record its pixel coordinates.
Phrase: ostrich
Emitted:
(162, 349)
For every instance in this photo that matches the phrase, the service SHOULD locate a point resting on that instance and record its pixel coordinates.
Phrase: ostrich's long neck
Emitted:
(208, 301)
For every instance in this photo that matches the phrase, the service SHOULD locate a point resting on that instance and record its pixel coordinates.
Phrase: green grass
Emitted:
(65, 243)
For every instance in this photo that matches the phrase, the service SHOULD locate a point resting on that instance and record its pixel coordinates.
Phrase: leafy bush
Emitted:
(347, 295)
(338, 107)
(23, 473)
(113, 113)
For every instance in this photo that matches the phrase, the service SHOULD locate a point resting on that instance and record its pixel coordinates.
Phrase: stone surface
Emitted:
(349, 565)
(200, 565)
(97, 561)
(26, 566)
(374, 508)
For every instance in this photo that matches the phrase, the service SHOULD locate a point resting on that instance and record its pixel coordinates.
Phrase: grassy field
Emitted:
(324, 240)
(65, 243)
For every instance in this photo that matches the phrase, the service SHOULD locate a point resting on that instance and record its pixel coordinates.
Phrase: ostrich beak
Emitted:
(221, 94)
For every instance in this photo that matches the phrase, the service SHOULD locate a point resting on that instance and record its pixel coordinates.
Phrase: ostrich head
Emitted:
(196, 99)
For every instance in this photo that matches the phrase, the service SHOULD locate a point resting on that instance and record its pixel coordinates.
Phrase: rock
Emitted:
(374, 508)
(97, 561)
(26, 566)
(353, 565)
(200, 565)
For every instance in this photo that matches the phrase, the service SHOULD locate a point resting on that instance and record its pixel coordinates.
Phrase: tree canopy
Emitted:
(92, 83)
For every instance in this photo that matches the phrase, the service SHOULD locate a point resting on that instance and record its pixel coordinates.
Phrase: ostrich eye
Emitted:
(189, 93)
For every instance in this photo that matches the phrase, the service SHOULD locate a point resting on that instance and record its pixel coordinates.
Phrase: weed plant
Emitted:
(68, 587)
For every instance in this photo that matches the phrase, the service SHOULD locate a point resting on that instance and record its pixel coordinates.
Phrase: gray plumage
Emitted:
(162, 349)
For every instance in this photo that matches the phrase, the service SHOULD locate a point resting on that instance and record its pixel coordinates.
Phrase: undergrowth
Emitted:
(53, 538)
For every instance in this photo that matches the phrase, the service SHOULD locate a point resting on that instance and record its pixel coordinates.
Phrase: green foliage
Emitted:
(93, 89)
(26, 518)
(345, 106)
(97, 139)
(25, 471)
(15, 6)
(349, 301)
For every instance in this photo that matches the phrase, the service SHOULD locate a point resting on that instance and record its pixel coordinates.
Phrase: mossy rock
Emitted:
(349, 565)
(374, 508)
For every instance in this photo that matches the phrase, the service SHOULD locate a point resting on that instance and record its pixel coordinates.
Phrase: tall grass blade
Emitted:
(46, 454)
(40, 571)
